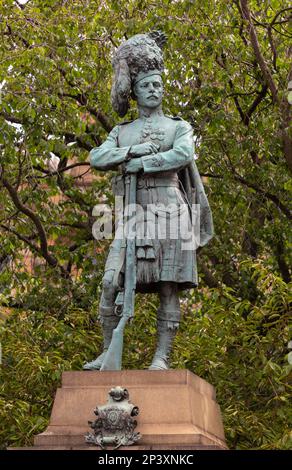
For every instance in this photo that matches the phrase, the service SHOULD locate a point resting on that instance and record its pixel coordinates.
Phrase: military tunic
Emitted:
(160, 253)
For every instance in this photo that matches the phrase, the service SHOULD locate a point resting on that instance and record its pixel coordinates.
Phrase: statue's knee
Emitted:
(168, 295)
(168, 289)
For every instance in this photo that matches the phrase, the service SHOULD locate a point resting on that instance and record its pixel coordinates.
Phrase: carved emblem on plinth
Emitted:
(115, 423)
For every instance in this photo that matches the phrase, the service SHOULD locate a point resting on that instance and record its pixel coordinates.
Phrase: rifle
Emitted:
(113, 357)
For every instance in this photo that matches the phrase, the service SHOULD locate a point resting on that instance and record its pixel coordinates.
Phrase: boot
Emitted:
(109, 321)
(167, 326)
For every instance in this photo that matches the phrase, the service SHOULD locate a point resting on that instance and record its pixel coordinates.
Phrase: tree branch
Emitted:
(274, 52)
(244, 115)
(33, 247)
(57, 172)
(22, 6)
(261, 95)
(79, 225)
(241, 24)
(255, 45)
(69, 137)
(280, 256)
(82, 100)
(285, 107)
(43, 249)
(210, 280)
(278, 14)
(265, 194)
(9, 117)
(236, 102)
(17, 35)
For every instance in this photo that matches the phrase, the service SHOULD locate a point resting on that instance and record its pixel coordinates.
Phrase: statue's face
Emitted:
(149, 91)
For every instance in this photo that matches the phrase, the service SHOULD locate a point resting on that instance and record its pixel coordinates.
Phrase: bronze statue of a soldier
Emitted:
(159, 150)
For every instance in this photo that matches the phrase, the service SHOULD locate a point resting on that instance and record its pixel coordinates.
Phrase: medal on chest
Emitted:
(152, 132)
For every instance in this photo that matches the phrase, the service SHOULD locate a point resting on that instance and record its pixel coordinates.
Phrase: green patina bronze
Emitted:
(154, 154)
(115, 423)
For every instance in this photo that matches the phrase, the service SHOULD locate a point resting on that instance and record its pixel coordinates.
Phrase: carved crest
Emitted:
(115, 421)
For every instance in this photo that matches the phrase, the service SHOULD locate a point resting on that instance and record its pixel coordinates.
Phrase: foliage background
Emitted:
(229, 75)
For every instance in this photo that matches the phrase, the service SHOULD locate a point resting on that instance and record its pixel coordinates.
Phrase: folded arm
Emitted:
(108, 156)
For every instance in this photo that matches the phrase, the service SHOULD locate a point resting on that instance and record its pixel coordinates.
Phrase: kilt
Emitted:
(163, 230)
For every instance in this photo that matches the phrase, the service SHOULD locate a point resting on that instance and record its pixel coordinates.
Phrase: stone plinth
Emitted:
(178, 409)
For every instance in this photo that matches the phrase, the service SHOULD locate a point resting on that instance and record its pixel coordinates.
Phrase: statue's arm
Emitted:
(178, 157)
(108, 155)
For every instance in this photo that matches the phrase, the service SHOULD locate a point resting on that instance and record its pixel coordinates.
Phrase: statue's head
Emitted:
(138, 65)
(147, 89)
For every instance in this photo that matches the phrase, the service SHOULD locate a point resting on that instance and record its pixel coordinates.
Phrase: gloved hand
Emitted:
(143, 149)
(134, 165)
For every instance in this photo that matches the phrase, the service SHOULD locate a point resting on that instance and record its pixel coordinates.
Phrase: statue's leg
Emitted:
(168, 318)
(107, 317)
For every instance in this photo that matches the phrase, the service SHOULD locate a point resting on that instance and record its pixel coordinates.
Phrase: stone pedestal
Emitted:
(178, 409)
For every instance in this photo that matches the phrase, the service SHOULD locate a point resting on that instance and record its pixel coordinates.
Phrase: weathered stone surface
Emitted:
(178, 409)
